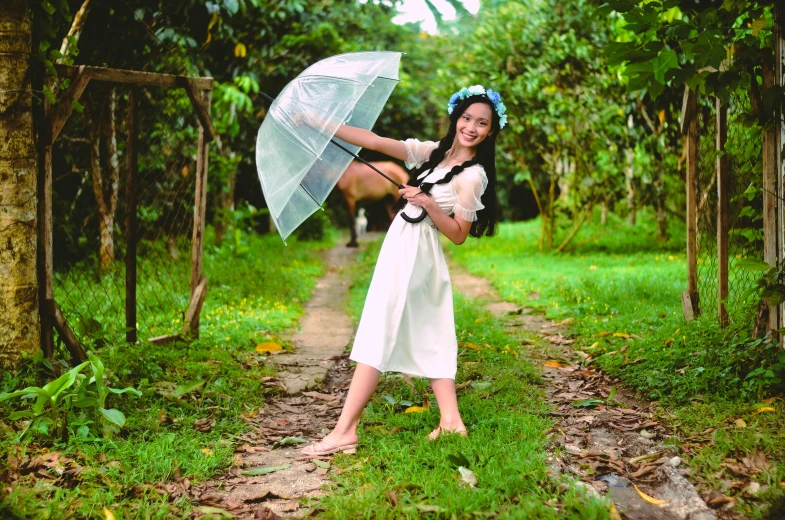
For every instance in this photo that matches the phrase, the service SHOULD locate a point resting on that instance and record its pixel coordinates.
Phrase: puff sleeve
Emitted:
(469, 186)
(418, 152)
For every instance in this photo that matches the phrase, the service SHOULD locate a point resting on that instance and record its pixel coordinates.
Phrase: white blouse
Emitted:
(467, 187)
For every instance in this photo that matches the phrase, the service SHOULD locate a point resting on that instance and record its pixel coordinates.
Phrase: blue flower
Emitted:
(454, 98)
(450, 108)
(464, 93)
(500, 108)
(493, 96)
(502, 121)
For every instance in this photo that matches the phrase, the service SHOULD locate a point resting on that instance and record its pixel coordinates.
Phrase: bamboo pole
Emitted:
(722, 213)
(130, 218)
(200, 208)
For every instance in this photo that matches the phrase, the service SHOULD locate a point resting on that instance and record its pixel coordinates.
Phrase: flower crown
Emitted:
(479, 90)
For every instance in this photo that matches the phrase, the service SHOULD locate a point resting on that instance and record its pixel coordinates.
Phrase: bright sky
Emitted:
(417, 11)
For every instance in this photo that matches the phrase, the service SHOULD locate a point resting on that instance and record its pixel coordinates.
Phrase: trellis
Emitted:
(712, 200)
(198, 91)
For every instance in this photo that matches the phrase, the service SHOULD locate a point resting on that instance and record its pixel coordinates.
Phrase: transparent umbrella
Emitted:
(298, 159)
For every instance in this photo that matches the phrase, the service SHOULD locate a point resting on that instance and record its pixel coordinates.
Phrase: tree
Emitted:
(19, 326)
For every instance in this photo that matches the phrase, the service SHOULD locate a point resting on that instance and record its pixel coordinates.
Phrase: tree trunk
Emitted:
(107, 205)
(19, 326)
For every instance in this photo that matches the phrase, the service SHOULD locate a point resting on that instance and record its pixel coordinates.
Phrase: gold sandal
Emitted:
(348, 449)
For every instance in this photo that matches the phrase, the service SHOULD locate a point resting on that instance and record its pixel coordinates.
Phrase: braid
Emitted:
(425, 187)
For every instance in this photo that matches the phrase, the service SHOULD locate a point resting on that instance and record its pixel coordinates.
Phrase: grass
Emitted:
(258, 289)
(624, 293)
(506, 414)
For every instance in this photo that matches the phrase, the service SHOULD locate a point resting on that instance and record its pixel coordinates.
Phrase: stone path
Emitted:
(293, 412)
(325, 330)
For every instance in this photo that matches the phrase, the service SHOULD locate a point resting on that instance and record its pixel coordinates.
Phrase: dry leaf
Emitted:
(763, 409)
(553, 364)
(621, 335)
(415, 409)
(108, 514)
(268, 347)
(740, 423)
(647, 498)
(479, 320)
(207, 451)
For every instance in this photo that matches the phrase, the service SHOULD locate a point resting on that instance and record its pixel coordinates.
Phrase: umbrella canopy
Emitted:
(297, 165)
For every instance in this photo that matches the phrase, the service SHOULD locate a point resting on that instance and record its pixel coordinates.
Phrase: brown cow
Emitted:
(360, 183)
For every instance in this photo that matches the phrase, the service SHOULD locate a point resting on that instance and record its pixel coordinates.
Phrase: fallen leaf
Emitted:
(322, 463)
(108, 514)
(214, 513)
(587, 402)
(647, 498)
(553, 364)
(718, 501)
(264, 471)
(594, 345)
(763, 409)
(740, 423)
(268, 347)
(479, 320)
(603, 334)
(207, 451)
(393, 498)
(415, 409)
(592, 267)
(614, 513)
(319, 395)
(468, 476)
(471, 346)
(288, 441)
(647, 435)
(621, 335)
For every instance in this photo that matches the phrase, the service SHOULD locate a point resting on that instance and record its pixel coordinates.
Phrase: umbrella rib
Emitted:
(309, 194)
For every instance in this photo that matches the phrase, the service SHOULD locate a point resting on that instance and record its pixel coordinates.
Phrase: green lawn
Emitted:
(505, 412)
(257, 292)
(624, 293)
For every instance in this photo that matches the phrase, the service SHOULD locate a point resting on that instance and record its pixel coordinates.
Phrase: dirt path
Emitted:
(293, 414)
(610, 449)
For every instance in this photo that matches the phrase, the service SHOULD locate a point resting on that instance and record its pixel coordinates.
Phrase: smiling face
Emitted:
(474, 125)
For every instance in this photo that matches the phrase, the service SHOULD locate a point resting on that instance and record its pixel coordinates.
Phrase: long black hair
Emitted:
(485, 156)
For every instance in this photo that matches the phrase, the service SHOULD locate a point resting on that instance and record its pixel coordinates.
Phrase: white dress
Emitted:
(407, 323)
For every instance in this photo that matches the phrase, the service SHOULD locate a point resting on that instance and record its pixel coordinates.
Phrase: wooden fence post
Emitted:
(689, 128)
(770, 205)
(130, 218)
(722, 212)
(200, 208)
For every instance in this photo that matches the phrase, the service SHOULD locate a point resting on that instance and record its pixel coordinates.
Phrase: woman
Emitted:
(407, 323)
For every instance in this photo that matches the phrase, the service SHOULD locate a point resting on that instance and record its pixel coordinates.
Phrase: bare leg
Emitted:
(444, 390)
(364, 382)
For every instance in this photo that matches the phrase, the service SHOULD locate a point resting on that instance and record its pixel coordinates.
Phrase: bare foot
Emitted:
(460, 430)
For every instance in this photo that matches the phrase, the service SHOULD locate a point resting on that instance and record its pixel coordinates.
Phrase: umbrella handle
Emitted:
(414, 220)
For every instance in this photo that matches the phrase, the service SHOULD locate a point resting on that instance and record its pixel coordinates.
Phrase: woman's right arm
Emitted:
(371, 141)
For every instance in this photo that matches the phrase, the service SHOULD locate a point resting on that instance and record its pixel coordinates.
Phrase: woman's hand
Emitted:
(416, 197)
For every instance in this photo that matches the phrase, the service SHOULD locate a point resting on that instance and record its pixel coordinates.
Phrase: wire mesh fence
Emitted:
(90, 210)
(745, 231)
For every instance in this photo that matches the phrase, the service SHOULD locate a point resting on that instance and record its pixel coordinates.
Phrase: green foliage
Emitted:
(57, 401)
(255, 297)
